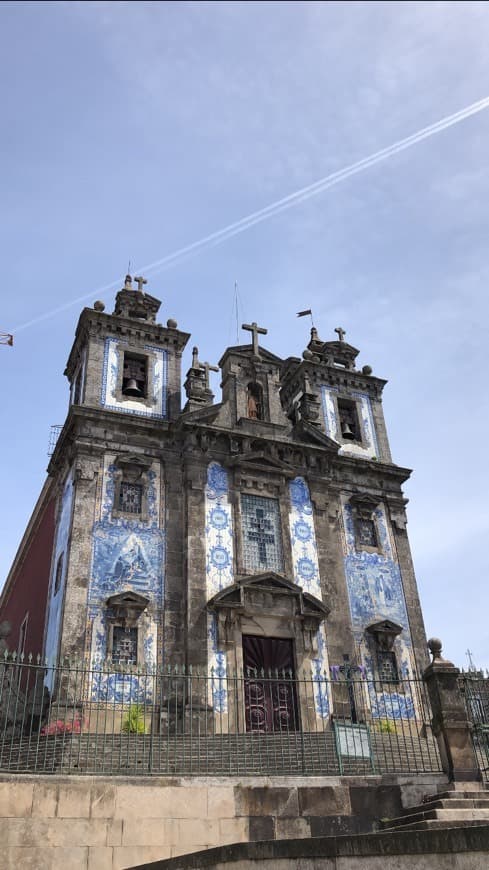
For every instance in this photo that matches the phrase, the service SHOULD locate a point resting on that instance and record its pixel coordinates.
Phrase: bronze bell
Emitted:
(132, 388)
(347, 432)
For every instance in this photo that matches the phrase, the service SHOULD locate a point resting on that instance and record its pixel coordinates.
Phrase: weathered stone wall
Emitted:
(97, 823)
(456, 848)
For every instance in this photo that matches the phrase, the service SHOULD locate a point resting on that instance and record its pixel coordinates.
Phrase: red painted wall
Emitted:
(28, 587)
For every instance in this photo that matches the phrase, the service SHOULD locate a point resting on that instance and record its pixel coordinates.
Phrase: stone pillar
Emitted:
(450, 724)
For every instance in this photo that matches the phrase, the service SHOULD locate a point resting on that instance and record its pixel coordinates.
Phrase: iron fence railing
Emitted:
(474, 686)
(109, 719)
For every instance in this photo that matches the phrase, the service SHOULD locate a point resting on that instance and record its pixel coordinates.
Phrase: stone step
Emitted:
(472, 794)
(437, 824)
(462, 803)
(420, 815)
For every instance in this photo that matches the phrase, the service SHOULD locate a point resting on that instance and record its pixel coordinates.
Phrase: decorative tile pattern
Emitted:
(128, 555)
(376, 593)
(369, 448)
(306, 575)
(219, 548)
(110, 377)
(57, 590)
(262, 535)
(303, 538)
(217, 668)
(218, 531)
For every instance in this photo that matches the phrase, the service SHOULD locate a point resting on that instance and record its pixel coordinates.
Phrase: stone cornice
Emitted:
(101, 325)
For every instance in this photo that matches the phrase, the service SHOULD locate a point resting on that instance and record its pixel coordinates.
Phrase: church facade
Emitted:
(266, 531)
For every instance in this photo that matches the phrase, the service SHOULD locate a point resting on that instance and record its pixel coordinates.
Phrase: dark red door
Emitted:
(269, 684)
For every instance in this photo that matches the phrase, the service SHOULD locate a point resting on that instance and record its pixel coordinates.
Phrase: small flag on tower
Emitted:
(303, 313)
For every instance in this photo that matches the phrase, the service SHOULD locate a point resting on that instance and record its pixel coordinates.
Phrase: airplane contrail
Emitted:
(280, 205)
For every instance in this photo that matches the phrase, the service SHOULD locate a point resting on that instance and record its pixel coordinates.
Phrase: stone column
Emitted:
(450, 724)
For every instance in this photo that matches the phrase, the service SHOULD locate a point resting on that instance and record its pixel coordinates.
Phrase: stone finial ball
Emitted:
(307, 354)
(434, 646)
(171, 323)
(367, 370)
(99, 306)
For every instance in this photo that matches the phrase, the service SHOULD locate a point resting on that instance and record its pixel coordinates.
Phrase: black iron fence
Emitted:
(474, 686)
(122, 721)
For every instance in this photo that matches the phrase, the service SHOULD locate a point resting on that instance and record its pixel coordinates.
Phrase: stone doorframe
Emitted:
(269, 605)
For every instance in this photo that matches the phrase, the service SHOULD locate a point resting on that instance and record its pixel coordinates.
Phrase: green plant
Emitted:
(386, 726)
(134, 722)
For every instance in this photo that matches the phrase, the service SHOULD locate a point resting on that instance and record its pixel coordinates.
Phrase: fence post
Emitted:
(450, 724)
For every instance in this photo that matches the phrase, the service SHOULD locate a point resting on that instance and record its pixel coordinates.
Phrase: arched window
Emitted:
(255, 401)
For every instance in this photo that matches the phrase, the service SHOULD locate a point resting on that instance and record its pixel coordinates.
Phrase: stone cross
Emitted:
(140, 281)
(208, 368)
(256, 330)
(341, 332)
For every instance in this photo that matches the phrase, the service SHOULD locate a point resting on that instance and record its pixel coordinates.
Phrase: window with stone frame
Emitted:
(349, 424)
(131, 487)
(387, 666)
(366, 535)
(135, 376)
(262, 534)
(124, 645)
(130, 497)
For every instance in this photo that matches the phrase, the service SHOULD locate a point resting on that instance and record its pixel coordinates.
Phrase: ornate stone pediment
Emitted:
(267, 596)
(384, 632)
(304, 431)
(262, 461)
(127, 607)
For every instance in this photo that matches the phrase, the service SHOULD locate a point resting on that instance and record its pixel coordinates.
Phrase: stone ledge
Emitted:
(448, 841)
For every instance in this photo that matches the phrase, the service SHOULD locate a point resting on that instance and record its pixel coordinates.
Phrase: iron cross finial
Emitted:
(140, 282)
(256, 330)
(341, 332)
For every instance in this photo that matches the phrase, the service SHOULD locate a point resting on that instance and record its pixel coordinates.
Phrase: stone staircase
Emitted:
(223, 754)
(460, 805)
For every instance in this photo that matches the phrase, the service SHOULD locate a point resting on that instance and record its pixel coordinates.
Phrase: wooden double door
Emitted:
(270, 685)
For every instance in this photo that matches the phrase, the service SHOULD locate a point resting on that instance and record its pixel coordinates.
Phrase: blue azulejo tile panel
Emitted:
(374, 589)
(303, 538)
(111, 375)
(219, 549)
(121, 688)
(58, 576)
(381, 525)
(126, 557)
(320, 677)
(118, 687)
(218, 698)
(376, 593)
(369, 446)
(306, 575)
(218, 531)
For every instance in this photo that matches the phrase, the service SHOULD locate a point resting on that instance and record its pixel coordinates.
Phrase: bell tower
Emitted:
(124, 371)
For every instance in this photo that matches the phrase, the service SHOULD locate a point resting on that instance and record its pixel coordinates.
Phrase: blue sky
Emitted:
(131, 130)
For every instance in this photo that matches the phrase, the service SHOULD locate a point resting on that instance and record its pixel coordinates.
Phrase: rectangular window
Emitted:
(135, 376)
(365, 533)
(124, 645)
(387, 666)
(130, 497)
(262, 536)
(348, 419)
